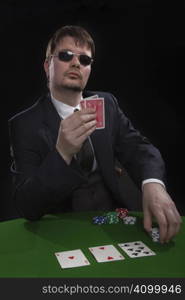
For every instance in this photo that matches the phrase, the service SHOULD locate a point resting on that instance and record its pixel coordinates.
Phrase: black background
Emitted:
(140, 50)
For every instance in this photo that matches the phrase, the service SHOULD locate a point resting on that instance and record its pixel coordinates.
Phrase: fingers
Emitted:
(79, 134)
(172, 224)
(169, 222)
(79, 131)
(85, 130)
(79, 118)
(78, 126)
(74, 130)
(163, 226)
(147, 220)
(158, 204)
(87, 133)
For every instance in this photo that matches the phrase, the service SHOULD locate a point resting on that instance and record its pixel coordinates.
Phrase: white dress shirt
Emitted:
(65, 110)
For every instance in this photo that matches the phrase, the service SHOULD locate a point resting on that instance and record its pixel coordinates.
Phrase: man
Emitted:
(48, 138)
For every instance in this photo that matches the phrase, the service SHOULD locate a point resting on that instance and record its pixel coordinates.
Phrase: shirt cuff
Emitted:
(153, 180)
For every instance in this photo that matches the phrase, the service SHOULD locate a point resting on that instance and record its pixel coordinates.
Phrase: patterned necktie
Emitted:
(85, 156)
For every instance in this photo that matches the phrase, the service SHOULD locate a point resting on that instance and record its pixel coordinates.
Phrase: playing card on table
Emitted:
(136, 249)
(106, 253)
(71, 259)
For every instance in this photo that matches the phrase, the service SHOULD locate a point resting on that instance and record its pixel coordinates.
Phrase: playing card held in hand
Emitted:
(98, 104)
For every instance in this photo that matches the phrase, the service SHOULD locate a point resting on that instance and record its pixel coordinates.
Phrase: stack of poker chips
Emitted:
(129, 220)
(155, 234)
(99, 220)
(123, 215)
(122, 212)
(111, 217)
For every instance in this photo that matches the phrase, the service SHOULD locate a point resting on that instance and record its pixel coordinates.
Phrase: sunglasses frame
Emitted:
(71, 55)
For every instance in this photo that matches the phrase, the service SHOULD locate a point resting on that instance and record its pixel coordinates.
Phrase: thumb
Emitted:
(147, 222)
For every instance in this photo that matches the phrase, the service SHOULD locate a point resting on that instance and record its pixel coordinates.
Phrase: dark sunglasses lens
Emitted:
(65, 56)
(85, 60)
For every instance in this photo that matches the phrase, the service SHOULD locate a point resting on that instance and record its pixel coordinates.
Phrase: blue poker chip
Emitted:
(99, 220)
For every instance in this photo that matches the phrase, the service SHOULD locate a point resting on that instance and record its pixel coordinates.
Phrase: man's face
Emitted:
(68, 75)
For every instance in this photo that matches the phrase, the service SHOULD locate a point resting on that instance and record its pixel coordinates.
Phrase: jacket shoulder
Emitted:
(28, 113)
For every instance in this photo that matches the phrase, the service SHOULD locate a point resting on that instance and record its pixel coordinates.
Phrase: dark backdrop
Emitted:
(139, 58)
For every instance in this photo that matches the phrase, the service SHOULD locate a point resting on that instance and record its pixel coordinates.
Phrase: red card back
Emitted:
(100, 113)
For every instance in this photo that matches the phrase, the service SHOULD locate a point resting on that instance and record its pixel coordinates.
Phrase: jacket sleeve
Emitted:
(42, 180)
(135, 152)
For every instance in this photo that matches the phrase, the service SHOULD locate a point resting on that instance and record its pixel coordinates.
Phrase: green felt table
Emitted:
(27, 248)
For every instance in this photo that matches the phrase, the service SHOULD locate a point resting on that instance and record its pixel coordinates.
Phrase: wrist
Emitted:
(65, 156)
(152, 180)
(152, 186)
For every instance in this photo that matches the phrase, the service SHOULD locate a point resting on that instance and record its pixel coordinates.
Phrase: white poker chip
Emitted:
(155, 234)
(155, 230)
(129, 220)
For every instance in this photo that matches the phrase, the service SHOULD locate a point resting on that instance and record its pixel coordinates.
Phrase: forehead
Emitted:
(70, 43)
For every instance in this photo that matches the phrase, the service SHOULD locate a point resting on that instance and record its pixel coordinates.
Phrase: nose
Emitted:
(75, 61)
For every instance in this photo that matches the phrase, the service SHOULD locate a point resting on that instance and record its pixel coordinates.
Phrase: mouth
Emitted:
(74, 75)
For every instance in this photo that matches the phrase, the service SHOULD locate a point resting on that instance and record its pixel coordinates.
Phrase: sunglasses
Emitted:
(67, 55)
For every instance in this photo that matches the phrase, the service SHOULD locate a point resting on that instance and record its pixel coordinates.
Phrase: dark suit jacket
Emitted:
(44, 181)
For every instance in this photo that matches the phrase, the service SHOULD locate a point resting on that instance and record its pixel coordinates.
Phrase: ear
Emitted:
(46, 67)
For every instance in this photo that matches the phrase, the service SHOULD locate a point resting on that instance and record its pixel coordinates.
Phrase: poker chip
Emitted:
(155, 234)
(99, 220)
(129, 220)
(122, 212)
(112, 217)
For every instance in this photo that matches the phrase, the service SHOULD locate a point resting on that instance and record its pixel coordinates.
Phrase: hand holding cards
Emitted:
(74, 130)
(98, 104)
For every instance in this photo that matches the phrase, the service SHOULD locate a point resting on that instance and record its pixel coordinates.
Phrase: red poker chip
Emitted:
(122, 212)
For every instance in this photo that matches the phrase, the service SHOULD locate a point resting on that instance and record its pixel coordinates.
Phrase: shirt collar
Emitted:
(64, 110)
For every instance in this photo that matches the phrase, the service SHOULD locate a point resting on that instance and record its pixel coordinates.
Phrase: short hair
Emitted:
(79, 34)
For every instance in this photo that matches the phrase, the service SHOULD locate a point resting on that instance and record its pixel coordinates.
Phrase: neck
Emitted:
(69, 97)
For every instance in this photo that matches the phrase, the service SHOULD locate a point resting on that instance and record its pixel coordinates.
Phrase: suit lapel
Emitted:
(51, 121)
